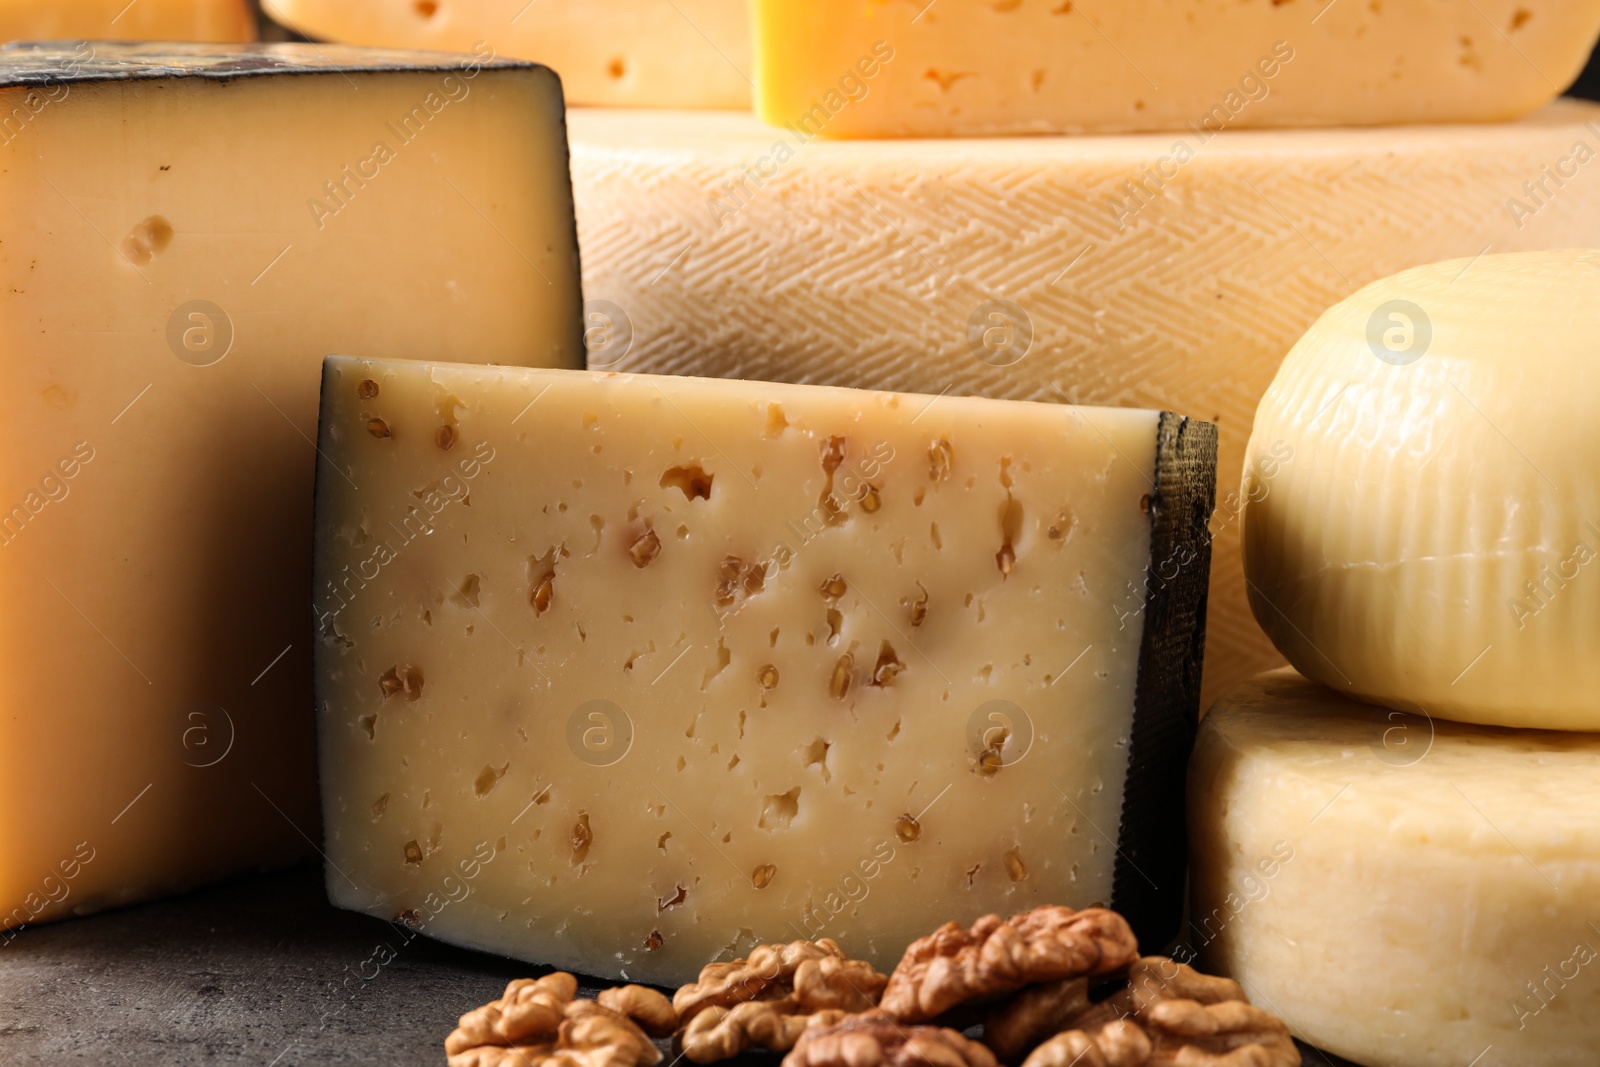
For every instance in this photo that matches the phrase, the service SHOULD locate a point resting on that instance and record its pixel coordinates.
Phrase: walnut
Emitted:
(815, 974)
(1167, 1015)
(1121, 1041)
(595, 1036)
(495, 1056)
(1121, 1044)
(769, 999)
(1152, 980)
(875, 1041)
(530, 1010)
(1012, 1028)
(717, 1033)
(952, 966)
(537, 1022)
(651, 1010)
(1231, 1034)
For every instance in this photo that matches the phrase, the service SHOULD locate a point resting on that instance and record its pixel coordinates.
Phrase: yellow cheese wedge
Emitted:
(725, 248)
(167, 294)
(142, 20)
(620, 53)
(962, 68)
(1435, 542)
(624, 673)
(1402, 892)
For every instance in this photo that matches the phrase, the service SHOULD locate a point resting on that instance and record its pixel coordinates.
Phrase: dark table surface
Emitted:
(262, 972)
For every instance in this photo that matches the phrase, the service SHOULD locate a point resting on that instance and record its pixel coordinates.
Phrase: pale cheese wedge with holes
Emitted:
(624, 673)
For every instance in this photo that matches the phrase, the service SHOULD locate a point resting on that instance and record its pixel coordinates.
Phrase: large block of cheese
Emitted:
(620, 53)
(625, 673)
(844, 68)
(1402, 892)
(729, 249)
(141, 20)
(187, 233)
(1436, 544)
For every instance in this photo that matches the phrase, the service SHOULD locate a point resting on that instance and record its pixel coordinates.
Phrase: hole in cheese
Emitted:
(779, 809)
(146, 239)
(694, 482)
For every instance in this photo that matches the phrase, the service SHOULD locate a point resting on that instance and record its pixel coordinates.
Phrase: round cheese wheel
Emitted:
(1423, 484)
(1404, 892)
(737, 250)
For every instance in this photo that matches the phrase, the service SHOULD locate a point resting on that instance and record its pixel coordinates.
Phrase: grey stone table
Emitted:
(262, 972)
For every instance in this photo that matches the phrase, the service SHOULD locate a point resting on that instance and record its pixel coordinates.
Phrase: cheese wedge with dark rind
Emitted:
(645, 670)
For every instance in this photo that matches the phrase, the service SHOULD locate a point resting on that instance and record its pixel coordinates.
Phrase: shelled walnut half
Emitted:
(1166, 1014)
(952, 967)
(652, 1011)
(875, 1041)
(537, 1022)
(771, 998)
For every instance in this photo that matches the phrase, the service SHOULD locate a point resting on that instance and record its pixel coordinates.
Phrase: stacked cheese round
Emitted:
(981, 67)
(1405, 892)
(104, 20)
(1161, 270)
(616, 53)
(1432, 541)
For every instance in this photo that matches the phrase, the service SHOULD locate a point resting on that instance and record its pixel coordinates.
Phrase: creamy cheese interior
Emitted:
(677, 665)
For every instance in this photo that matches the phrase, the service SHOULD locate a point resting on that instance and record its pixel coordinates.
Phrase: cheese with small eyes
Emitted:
(167, 294)
(617, 53)
(961, 68)
(1401, 891)
(624, 673)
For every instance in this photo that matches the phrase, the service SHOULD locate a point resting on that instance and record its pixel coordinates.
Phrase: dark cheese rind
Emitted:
(57, 62)
(1149, 877)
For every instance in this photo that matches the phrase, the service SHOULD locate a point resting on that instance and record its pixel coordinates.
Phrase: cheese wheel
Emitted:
(962, 68)
(219, 21)
(1429, 537)
(1404, 893)
(1147, 271)
(616, 53)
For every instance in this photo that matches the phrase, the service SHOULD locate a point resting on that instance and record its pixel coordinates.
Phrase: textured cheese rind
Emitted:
(966, 68)
(147, 20)
(155, 512)
(616, 53)
(1421, 877)
(56, 62)
(861, 264)
(1435, 544)
(574, 464)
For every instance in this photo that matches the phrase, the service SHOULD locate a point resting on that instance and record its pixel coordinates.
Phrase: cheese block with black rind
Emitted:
(188, 230)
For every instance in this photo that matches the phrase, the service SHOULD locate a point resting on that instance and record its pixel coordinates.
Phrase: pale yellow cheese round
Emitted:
(614, 53)
(963, 68)
(737, 250)
(1404, 893)
(1423, 525)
